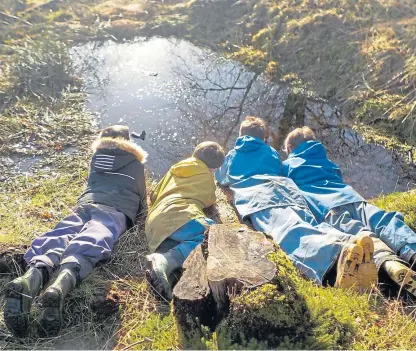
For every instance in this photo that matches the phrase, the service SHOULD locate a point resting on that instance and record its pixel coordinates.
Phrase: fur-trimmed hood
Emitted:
(120, 144)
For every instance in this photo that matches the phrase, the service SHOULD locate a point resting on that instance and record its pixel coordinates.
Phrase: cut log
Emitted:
(192, 299)
(237, 259)
(241, 281)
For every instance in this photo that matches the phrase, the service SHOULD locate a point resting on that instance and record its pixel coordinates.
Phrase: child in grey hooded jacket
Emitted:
(115, 194)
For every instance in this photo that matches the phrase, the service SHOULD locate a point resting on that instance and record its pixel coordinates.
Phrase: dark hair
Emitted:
(116, 131)
(211, 153)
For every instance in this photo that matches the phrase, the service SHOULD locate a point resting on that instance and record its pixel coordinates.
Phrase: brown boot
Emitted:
(348, 265)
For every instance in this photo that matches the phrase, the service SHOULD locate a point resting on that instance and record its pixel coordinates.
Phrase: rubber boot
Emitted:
(51, 302)
(19, 295)
(160, 266)
(401, 275)
(348, 265)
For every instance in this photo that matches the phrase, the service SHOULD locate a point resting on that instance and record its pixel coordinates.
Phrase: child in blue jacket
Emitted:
(275, 206)
(338, 204)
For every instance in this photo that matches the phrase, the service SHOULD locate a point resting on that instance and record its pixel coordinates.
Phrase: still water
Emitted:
(177, 93)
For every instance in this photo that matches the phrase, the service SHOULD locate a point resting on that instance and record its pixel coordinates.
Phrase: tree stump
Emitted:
(243, 283)
(193, 302)
(237, 259)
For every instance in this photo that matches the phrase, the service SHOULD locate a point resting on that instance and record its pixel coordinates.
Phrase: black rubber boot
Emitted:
(51, 302)
(19, 295)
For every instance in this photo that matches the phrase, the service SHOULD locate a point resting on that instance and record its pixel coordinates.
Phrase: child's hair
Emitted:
(297, 137)
(116, 131)
(210, 153)
(253, 126)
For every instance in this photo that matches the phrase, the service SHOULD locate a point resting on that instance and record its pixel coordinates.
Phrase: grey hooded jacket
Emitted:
(116, 177)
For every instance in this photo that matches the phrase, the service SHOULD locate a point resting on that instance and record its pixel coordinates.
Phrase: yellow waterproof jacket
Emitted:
(179, 197)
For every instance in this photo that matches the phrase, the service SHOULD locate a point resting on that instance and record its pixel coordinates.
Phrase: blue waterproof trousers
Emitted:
(313, 248)
(186, 238)
(389, 227)
(85, 237)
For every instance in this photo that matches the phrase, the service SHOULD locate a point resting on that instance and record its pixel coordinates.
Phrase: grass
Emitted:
(402, 202)
(31, 206)
(40, 70)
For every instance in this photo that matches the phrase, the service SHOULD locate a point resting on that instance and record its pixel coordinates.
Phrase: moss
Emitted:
(270, 314)
(293, 313)
(157, 333)
(336, 316)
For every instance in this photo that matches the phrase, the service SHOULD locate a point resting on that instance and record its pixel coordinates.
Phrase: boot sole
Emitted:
(367, 272)
(50, 322)
(153, 279)
(15, 318)
(404, 277)
(347, 276)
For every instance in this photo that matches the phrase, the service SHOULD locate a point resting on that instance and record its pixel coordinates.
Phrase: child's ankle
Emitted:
(408, 253)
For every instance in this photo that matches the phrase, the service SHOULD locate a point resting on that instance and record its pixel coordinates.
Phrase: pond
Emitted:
(180, 95)
(177, 93)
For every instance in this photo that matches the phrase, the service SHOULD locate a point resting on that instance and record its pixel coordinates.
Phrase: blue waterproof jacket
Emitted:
(252, 170)
(319, 179)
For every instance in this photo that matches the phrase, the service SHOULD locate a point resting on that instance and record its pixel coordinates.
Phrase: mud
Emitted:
(11, 259)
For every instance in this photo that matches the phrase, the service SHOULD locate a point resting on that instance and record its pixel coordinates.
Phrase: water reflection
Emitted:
(179, 93)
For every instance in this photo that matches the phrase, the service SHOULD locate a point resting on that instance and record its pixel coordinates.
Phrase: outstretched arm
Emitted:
(221, 174)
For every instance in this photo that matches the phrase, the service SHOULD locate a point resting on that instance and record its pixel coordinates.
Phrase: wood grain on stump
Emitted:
(237, 258)
(192, 298)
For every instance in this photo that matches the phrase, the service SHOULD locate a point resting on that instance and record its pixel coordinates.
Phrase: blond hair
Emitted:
(254, 127)
(116, 131)
(297, 137)
(210, 153)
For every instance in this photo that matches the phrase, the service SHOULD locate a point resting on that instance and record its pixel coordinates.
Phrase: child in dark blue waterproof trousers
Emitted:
(115, 194)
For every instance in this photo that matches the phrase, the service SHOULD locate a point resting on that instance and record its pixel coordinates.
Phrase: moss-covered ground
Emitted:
(358, 53)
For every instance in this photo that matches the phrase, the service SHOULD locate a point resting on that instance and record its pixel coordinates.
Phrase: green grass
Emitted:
(401, 202)
(31, 206)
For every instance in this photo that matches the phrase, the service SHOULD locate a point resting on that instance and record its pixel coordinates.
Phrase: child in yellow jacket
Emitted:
(176, 219)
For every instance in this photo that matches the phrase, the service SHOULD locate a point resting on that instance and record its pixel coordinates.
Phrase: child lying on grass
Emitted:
(176, 222)
(115, 194)
(338, 204)
(275, 205)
